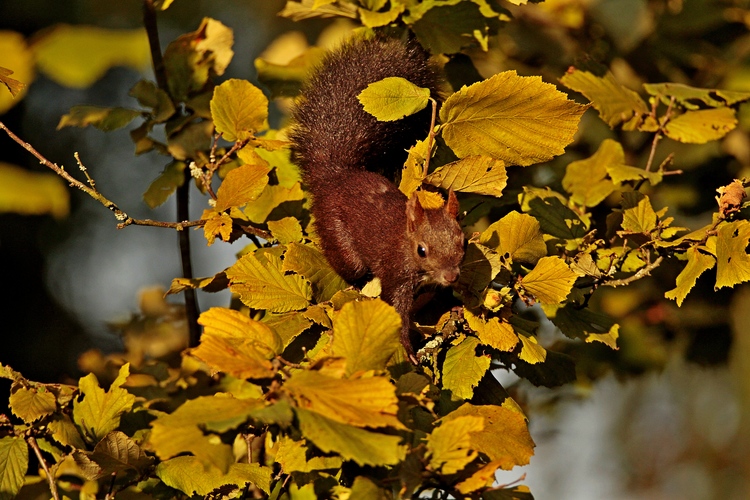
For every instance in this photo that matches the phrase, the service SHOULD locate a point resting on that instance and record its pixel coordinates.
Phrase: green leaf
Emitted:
(479, 267)
(732, 258)
(239, 110)
(77, 56)
(31, 403)
(310, 263)
(99, 412)
(475, 174)
(241, 186)
(65, 432)
(361, 402)
(505, 437)
(106, 119)
(463, 369)
(14, 460)
(686, 95)
(151, 96)
(638, 215)
(449, 446)
(520, 120)
(615, 103)
(548, 369)
(492, 332)
(554, 218)
(587, 181)
(367, 334)
(287, 230)
(393, 98)
(697, 263)
(550, 281)
(115, 453)
(167, 183)
(517, 235)
(446, 27)
(262, 284)
(190, 476)
(702, 126)
(352, 443)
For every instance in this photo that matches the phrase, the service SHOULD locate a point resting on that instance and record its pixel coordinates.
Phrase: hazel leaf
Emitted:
(697, 263)
(239, 110)
(241, 186)
(701, 126)
(638, 215)
(492, 332)
(474, 174)
(31, 403)
(192, 477)
(310, 263)
(587, 180)
(14, 461)
(732, 258)
(262, 284)
(449, 446)
(367, 334)
(550, 281)
(463, 368)
(687, 95)
(99, 412)
(520, 120)
(517, 235)
(393, 98)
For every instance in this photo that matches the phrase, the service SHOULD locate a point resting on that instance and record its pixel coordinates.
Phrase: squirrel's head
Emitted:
(436, 240)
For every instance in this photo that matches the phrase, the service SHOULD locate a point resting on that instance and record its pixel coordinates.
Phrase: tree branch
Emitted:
(52, 484)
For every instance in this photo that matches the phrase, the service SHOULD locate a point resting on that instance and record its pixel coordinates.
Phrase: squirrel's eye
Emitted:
(421, 251)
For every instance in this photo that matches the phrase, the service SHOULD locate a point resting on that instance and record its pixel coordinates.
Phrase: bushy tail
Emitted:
(334, 134)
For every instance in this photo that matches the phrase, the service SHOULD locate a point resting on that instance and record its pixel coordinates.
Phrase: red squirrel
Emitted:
(367, 227)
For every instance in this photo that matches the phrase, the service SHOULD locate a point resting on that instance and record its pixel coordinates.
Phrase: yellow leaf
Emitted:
(480, 479)
(475, 174)
(413, 173)
(587, 181)
(239, 110)
(262, 284)
(520, 120)
(106, 119)
(493, 332)
(228, 323)
(270, 199)
(517, 235)
(217, 224)
(531, 351)
(32, 193)
(615, 103)
(31, 403)
(99, 412)
(361, 402)
(449, 446)
(505, 437)
(168, 181)
(367, 334)
(732, 258)
(686, 95)
(193, 477)
(241, 186)
(697, 263)
(16, 56)
(463, 369)
(310, 263)
(292, 456)
(77, 56)
(393, 98)
(373, 19)
(550, 281)
(638, 215)
(702, 126)
(286, 230)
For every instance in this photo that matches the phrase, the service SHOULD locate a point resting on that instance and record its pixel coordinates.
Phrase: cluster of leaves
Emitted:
(302, 389)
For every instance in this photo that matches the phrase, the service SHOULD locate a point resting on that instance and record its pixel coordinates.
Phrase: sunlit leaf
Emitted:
(687, 96)
(505, 437)
(77, 56)
(449, 446)
(352, 443)
(373, 19)
(286, 231)
(272, 198)
(531, 351)
(241, 186)
(463, 368)
(190, 476)
(362, 402)
(697, 263)
(32, 193)
(99, 412)
(475, 174)
(65, 432)
(616, 104)
(393, 98)
(366, 334)
(31, 403)
(701, 126)
(217, 224)
(732, 257)
(482, 478)
(517, 235)
(262, 284)
(292, 456)
(520, 120)
(550, 281)
(239, 109)
(17, 59)
(14, 460)
(310, 263)
(587, 180)
(493, 332)
(638, 215)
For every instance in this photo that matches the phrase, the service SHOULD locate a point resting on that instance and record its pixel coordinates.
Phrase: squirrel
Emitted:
(366, 226)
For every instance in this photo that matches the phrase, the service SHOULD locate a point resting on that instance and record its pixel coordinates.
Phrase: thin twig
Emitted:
(641, 273)
(52, 484)
(430, 138)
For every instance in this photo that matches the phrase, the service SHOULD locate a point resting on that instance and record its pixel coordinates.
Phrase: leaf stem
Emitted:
(52, 484)
(430, 138)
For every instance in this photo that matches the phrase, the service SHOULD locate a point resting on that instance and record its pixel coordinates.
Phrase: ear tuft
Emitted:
(451, 206)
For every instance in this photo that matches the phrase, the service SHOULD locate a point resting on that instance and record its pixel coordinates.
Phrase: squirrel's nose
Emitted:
(451, 275)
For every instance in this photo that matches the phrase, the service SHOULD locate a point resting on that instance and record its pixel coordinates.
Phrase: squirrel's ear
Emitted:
(451, 206)
(414, 213)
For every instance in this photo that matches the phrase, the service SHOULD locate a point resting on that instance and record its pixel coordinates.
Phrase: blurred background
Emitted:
(667, 416)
